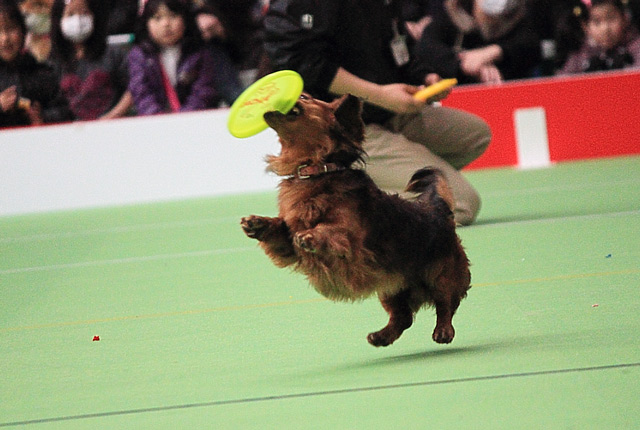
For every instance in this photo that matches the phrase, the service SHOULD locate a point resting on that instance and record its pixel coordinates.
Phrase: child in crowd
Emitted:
(93, 75)
(609, 39)
(169, 68)
(29, 91)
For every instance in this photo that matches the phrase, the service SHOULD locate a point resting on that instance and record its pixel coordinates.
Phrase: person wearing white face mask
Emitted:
(77, 28)
(29, 91)
(480, 41)
(93, 74)
(38, 23)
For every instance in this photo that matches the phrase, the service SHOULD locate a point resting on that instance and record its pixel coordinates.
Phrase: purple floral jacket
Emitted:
(195, 87)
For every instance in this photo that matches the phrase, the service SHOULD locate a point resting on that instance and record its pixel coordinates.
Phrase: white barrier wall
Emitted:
(129, 160)
(167, 157)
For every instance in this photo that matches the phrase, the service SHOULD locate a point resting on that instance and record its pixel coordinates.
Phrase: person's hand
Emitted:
(35, 114)
(490, 75)
(398, 98)
(431, 79)
(416, 28)
(473, 60)
(8, 99)
(210, 26)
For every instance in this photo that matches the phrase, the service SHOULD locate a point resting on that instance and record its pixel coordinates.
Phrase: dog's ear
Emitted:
(348, 113)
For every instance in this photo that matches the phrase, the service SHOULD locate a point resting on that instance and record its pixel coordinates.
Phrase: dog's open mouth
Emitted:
(273, 118)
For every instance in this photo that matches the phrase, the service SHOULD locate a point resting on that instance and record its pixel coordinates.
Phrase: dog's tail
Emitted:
(432, 188)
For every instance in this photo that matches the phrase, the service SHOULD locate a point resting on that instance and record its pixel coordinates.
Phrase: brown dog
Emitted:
(350, 238)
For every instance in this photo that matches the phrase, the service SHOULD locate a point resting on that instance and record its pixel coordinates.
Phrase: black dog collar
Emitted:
(306, 171)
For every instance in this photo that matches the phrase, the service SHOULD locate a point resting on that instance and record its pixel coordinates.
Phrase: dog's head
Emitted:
(316, 132)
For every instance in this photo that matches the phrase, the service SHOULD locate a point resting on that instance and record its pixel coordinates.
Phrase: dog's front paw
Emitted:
(306, 242)
(381, 338)
(254, 226)
(443, 334)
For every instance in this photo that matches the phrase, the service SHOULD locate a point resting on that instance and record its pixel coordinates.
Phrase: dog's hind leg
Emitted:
(444, 332)
(450, 287)
(400, 319)
(274, 237)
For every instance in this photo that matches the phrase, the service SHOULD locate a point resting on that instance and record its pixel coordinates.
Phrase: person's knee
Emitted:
(467, 207)
(479, 139)
(472, 144)
(484, 138)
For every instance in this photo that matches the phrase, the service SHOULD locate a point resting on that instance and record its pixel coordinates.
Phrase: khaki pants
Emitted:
(440, 137)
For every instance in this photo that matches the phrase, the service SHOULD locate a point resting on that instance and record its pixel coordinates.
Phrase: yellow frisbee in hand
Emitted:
(434, 89)
(277, 91)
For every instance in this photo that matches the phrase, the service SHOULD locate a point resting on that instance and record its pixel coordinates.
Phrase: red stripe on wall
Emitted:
(588, 116)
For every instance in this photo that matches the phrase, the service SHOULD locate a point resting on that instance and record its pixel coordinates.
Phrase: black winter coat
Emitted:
(36, 82)
(435, 52)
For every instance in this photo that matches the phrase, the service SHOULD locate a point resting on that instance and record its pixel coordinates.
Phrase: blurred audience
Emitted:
(29, 91)
(634, 9)
(242, 22)
(487, 41)
(169, 68)
(214, 33)
(558, 35)
(122, 16)
(93, 74)
(37, 14)
(609, 41)
(201, 54)
(417, 14)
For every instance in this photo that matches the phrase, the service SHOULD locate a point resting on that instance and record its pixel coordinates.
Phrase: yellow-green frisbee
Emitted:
(277, 91)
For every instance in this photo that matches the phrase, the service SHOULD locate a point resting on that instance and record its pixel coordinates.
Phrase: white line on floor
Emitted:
(121, 229)
(554, 219)
(129, 260)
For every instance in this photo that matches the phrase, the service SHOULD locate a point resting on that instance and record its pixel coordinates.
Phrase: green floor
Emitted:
(198, 330)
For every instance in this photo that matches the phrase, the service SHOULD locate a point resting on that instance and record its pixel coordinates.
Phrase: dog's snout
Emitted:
(272, 118)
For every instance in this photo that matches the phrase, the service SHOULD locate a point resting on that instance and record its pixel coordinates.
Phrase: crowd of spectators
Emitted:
(63, 60)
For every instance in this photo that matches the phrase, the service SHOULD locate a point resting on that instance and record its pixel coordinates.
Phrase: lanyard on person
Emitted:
(399, 47)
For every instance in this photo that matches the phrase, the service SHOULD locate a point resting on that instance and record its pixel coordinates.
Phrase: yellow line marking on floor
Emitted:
(557, 278)
(297, 302)
(164, 315)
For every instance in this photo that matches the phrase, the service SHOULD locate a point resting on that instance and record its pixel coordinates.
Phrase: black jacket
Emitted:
(316, 37)
(36, 82)
(435, 52)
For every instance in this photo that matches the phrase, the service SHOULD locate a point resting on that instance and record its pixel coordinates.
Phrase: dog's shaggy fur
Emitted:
(350, 238)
